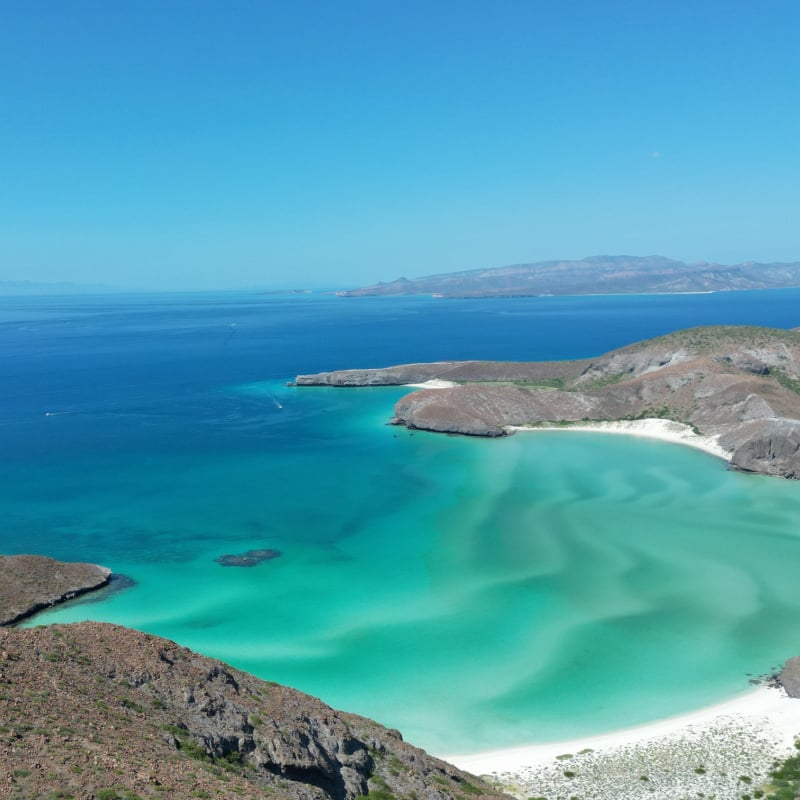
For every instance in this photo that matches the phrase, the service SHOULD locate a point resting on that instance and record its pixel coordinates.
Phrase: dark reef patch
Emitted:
(248, 559)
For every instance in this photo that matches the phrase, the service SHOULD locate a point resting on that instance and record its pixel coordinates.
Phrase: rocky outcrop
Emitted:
(740, 384)
(488, 410)
(91, 709)
(771, 447)
(29, 584)
(789, 677)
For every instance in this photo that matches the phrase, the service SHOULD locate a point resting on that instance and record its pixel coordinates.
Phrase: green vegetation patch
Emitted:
(116, 794)
(605, 380)
(710, 338)
(558, 382)
(784, 779)
(792, 384)
(133, 706)
(378, 791)
(544, 383)
(659, 412)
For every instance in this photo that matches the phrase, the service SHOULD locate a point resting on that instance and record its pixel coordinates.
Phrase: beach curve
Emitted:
(688, 753)
(665, 430)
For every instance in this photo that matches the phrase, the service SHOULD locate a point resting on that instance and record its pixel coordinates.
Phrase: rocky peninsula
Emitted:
(29, 584)
(738, 385)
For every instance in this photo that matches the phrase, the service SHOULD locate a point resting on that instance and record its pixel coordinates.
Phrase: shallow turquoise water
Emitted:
(472, 593)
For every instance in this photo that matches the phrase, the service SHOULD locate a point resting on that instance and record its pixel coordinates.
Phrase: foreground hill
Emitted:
(739, 384)
(593, 275)
(97, 711)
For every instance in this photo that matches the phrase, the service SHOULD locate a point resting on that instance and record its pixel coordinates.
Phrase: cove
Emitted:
(472, 593)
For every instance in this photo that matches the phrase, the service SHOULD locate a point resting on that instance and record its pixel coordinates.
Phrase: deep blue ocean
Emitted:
(472, 593)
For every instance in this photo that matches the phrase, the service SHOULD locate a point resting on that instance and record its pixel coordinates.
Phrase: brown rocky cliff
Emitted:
(94, 710)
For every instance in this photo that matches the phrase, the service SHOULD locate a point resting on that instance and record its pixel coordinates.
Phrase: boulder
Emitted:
(790, 677)
(772, 449)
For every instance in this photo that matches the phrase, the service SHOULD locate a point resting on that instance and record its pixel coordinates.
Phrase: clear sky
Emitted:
(204, 144)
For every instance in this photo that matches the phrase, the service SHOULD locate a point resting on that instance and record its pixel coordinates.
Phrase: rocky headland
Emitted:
(92, 711)
(737, 384)
(29, 584)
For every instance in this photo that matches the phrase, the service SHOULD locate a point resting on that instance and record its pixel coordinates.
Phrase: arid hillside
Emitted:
(98, 712)
(740, 384)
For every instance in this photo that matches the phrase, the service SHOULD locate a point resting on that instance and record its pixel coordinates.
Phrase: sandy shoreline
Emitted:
(719, 751)
(764, 705)
(664, 430)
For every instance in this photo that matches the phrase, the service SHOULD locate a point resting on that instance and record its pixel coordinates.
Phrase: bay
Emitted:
(472, 593)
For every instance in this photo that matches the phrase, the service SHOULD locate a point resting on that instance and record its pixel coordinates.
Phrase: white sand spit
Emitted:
(723, 751)
(433, 383)
(665, 430)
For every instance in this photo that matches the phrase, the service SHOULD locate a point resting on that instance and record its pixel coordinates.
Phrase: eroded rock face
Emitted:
(790, 677)
(487, 410)
(772, 449)
(97, 706)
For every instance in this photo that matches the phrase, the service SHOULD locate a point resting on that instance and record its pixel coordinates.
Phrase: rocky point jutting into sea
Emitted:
(33, 583)
(737, 384)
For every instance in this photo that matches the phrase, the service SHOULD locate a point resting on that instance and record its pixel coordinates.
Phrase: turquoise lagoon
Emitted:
(472, 593)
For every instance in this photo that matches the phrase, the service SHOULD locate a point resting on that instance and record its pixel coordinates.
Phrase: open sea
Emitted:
(472, 593)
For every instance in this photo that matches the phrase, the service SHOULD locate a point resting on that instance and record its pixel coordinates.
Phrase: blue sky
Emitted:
(240, 144)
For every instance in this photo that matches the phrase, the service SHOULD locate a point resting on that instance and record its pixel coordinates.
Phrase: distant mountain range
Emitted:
(594, 275)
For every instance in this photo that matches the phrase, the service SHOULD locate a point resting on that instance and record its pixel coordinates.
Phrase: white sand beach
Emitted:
(720, 751)
(433, 383)
(663, 429)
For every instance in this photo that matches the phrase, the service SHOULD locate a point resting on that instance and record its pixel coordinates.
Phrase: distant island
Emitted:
(593, 275)
(738, 387)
